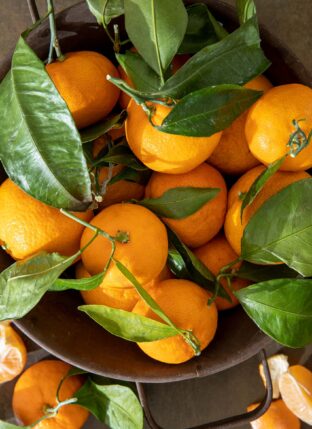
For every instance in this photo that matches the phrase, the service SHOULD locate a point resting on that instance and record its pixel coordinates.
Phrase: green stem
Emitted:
(54, 43)
(52, 412)
(298, 140)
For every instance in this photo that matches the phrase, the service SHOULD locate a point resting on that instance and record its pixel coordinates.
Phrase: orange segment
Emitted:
(278, 416)
(13, 353)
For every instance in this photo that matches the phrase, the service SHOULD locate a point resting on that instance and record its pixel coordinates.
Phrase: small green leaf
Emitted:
(261, 273)
(114, 405)
(281, 230)
(143, 77)
(156, 29)
(282, 309)
(121, 154)
(105, 10)
(40, 147)
(24, 283)
(4, 425)
(246, 10)
(131, 175)
(87, 283)
(209, 110)
(127, 325)
(93, 132)
(178, 203)
(259, 183)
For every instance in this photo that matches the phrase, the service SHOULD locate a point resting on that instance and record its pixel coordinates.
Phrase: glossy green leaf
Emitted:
(127, 325)
(246, 9)
(93, 132)
(218, 27)
(178, 203)
(121, 154)
(40, 147)
(131, 175)
(259, 183)
(208, 110)
(115, 405)
(282, 309)
(236, 59)
(87, 283)
(200, 30)
(261, 273)
(105, 10)
(141, 74)
(5, 425)
(24, 283)
(156, 28)
(281, 230)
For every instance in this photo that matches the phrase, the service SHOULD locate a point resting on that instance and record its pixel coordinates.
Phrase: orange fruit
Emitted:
(232, 155)
(13, 353)
(81, 81)
(185, 303)
(163, 152)
(296, 390)
(35, 391)
(233, 227)
(205, 223)
(116, 297)
(278, 416)
(269, 125)
(145, 253)
(28, 226)
(215, 255)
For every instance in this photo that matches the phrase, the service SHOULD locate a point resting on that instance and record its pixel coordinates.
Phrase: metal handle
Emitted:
(229, 422)
(33, 10)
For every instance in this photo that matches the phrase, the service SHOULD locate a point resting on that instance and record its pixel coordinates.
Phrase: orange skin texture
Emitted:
(36, 388)
(278, 416)
(216, 254)
(232, 155)
(185, 303)
(163, 152)
(269, 125)
(13, 354)
(28, 226)
(233, 227)
(205, 223)
(116, 297)
(81, 81)
(144, 255)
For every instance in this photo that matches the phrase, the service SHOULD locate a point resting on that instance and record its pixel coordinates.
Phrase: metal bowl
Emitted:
(56, 324)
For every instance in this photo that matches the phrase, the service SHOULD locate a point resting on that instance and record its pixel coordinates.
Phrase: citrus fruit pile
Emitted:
(176, 183)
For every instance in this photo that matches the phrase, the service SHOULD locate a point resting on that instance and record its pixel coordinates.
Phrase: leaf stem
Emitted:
(298, 140)
(54, 42)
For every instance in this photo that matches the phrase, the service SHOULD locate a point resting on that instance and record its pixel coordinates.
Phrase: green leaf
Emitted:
(40, 147)
(24, 283)
(87, 283)
(105, 10)
(236, 59)
(218, 27)
(282, 309)
(246, 10)
(200, 30)
(93, 132)
(178, 203)
(143, 77)
(281, 230)
(208, 110)
(261, 273)
(127, 325)
(115, 405)
(121, 154)
(5, 425)
(156, 28)
(259, 183)
(131, 175)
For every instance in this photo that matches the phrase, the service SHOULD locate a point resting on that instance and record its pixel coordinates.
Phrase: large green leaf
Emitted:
(208, 110)
(281, 230)
(115, 405)
(127, 325)
(236, 59)
(156, 28)
(282, 309)
(40, 146)
(105, 10)
(24, 283)
(261, 273)
(178, 203)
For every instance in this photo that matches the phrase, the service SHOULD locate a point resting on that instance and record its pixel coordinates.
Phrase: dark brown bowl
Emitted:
(56, 324)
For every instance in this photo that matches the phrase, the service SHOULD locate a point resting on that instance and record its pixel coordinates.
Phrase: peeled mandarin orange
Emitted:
(269, 125)
(28, 226)
(145, 253)
(278, 416)
(81, 81)
(233, 226)
(205, 223)
(215, 255)
(13, 353)
(185, 303)
(163, 152)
